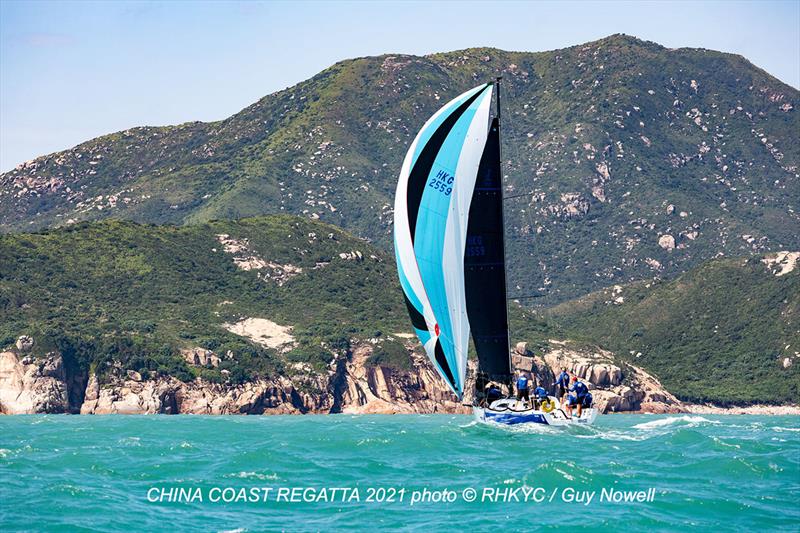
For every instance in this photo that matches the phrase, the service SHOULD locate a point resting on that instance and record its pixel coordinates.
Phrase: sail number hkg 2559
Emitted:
(442, 182)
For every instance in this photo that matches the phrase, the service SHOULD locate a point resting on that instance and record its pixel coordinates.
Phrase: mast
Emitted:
(503, 219)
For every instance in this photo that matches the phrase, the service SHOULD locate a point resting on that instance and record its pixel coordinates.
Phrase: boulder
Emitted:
(595, 368)
(201, 357)
(521, 362)
(667, 242)
(24, 344)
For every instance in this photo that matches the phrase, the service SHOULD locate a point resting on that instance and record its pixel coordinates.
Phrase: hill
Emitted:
(262, 293)
(280, 296)
(625, 160)
(726, 332)
(276, 314)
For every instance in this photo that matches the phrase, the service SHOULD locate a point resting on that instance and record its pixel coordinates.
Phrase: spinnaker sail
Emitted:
(432, 220)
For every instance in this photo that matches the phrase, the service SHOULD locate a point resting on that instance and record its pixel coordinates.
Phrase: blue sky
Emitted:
(70, 71)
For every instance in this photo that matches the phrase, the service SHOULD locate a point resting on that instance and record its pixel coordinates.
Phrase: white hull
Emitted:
(510, 412)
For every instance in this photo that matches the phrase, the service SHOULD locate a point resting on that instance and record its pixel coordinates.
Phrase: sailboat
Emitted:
(449, 245)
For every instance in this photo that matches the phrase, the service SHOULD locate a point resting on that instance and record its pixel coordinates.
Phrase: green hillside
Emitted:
(123, 296)
(119, 292)
(609, 146)
(720, 333)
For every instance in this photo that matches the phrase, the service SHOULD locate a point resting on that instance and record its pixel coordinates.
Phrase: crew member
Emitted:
(588, 400)
(561, 384)
(540, 395)
(493, 393)
(522, 388)
(581, 390)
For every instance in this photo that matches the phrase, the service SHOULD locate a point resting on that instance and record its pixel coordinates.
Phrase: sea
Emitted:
(410, 472)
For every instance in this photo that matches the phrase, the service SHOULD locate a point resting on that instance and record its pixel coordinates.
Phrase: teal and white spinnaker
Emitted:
(430, 227)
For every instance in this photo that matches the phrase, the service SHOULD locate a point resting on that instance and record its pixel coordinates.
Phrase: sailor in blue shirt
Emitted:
(582, 397)
(523, 392)
(493, 392)
(562, 384)
(540, 394)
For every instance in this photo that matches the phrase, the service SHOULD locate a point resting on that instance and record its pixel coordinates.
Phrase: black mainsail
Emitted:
(484, 265)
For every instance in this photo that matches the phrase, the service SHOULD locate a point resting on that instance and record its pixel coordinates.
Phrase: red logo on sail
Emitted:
(436, 329)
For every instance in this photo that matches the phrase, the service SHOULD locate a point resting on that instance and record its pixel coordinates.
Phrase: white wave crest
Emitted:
(614, 435)
(675, 420)
(254, 475)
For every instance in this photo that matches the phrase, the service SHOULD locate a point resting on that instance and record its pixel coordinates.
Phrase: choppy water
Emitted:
(82, 473)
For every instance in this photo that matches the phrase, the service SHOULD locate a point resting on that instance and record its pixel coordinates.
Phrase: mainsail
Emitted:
(432, 220)
(484, 261)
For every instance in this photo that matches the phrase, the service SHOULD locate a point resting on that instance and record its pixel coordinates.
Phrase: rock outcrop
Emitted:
(31, 386)
(350, 385)
(667, 242)
(781, 263)
(24, 344)
(614, 388)
(200, 357)
(375, 389)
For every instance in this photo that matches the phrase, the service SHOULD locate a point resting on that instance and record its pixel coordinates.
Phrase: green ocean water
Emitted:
(84, 473)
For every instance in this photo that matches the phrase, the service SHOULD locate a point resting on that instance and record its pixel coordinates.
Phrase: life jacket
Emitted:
(540, 392)
(522, 383)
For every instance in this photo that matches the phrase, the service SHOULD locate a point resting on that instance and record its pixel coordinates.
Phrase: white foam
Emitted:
(723, 443)
(565, 475)
(614, 435)
(527, 428)
(673, 420)
(255, 475)
(778, 428)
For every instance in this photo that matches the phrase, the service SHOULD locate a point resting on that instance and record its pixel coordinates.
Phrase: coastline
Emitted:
(758, 409)
(392, 409)
(30, 385)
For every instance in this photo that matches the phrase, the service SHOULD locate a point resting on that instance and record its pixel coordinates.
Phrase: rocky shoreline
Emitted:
(31, 385)
(770, 410)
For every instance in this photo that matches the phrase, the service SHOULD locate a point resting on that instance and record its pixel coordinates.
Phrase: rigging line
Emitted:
(508, 236)
(504, 239)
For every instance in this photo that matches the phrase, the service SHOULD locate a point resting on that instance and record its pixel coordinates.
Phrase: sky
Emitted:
(70, 71)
